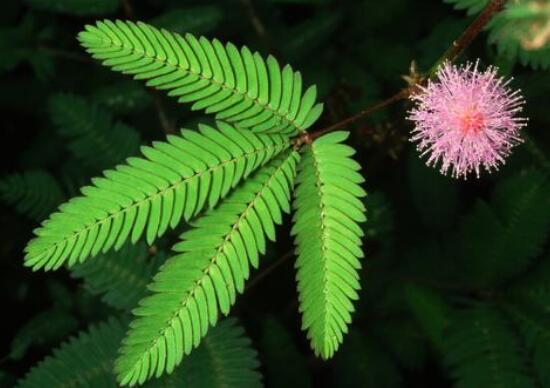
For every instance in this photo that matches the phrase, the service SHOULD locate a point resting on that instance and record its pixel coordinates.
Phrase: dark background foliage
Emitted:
(456, 280)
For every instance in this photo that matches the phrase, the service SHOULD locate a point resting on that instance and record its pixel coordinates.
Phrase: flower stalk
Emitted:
(451, 54)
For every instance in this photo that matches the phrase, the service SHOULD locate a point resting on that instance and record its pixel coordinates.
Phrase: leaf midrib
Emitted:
(206, 271)
(212, 81)
(322, 256)
(510, 224)
(152, 196)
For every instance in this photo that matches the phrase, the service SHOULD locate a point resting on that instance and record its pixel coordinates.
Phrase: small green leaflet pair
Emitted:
(232, 182)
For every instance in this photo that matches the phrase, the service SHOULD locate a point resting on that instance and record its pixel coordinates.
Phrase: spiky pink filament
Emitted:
(466, 119)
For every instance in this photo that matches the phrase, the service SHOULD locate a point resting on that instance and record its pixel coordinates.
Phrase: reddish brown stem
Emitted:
(164, 121)
(276, 264)
(469, 34)
(258, 25)
(451, 54)
(404, 93)
(128, 9)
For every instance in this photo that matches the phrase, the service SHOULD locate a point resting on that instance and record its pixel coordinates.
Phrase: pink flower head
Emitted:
(466, 119)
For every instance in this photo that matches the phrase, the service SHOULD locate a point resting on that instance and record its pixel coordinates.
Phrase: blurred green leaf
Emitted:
(76, 7)
(483, 350)
(25, 43)
(44, 329)
(307, 36)
(500, 239)
(121, 277)
(362, 363)
(285, 366)
(435, 196)
(21, 191)
(195, 20)
(123, 98)
(535, 329)
(430, 310)
(92, 134)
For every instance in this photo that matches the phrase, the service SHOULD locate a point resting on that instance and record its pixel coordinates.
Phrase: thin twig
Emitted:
(258, 25)
(469, 34)
(128, 9)
(276, 264)
(536, 152)
(365, 112)
(165, 124)
(451, 54)
(164, 121)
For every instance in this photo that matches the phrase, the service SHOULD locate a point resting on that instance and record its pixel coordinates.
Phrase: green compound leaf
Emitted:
(534, 327)
(328, 240)
(225, 358)
(92, 134)
(202, 281)
(520, 31)
(44, 329)
(174, 180)
(121, 277)
(238, 86)
(500, 239)
(19, 190)
(471, 6)
(193, 19)
(83, 361)
(76, 7)
(482, 349)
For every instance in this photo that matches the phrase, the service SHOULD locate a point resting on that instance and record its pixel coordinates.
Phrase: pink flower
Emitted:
(466, 119)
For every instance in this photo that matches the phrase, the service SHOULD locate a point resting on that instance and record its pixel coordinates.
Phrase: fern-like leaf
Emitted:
(533, 288)
(482, 350)
(471, 6)
(520, 31)
(124, 97)
(195, 286)
(430, 310)
(193, 19)
(284, 365)
(328, 240)
(224, 359)
(535, 329)
(175, 180)
(76, 7)
(33, 193)
(93, 136)
(120, 277)
(83, 361)
(46, 328)
(500, 239)
(363, 362)
(238, 86)
(23, 43)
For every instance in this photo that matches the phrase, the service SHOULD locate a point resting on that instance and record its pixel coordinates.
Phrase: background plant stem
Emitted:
(451, 54)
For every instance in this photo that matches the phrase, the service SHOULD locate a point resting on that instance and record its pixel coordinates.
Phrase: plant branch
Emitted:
(451, 54)
(164, 121)
(469, 34)
(258, 25)
(128, 9)
(165, 124)
(276, 264)
(404, 93)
